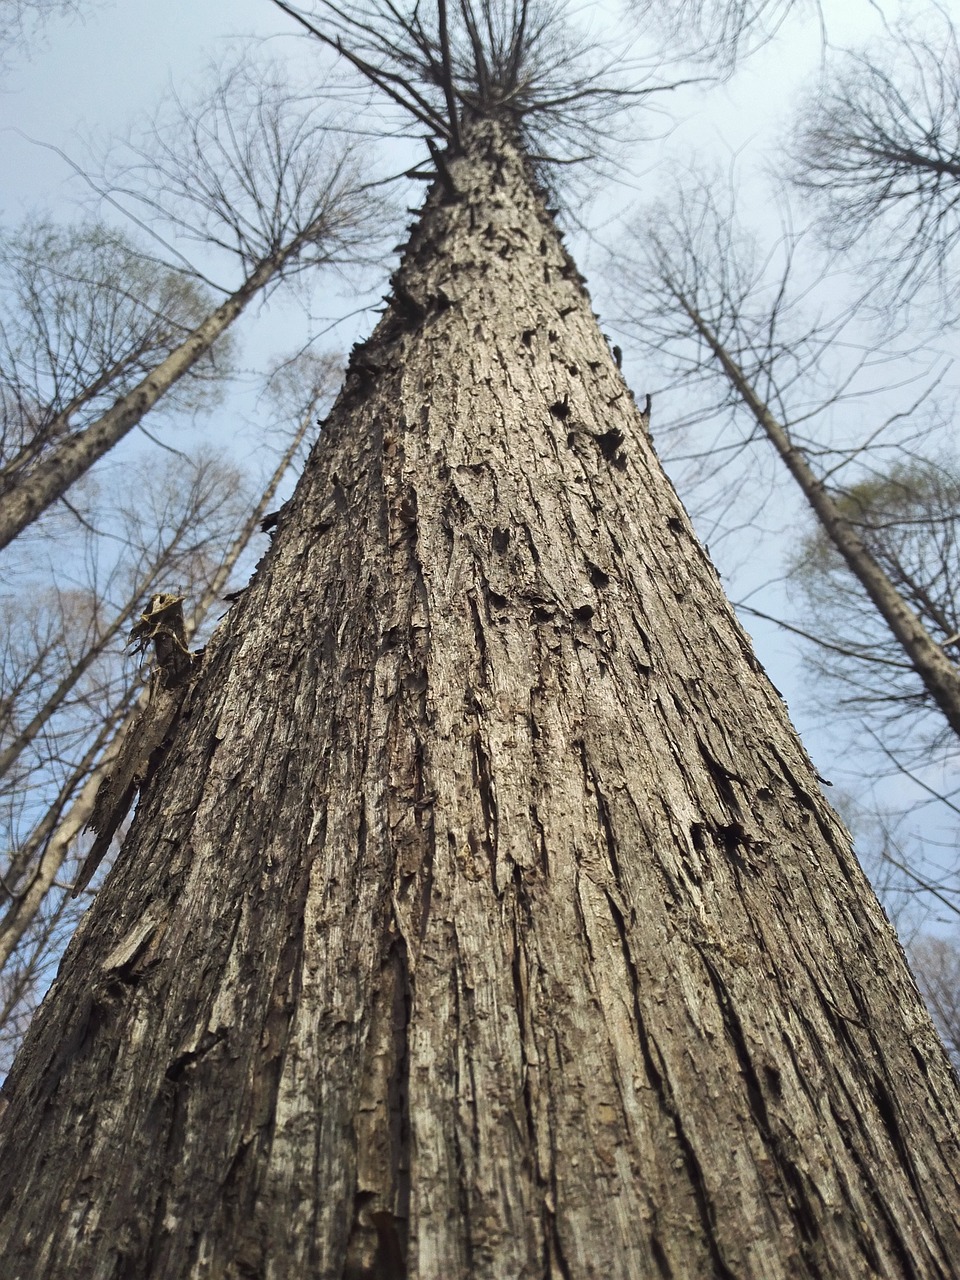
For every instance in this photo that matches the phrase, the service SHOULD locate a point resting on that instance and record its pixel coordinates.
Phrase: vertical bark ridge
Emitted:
(484, 919)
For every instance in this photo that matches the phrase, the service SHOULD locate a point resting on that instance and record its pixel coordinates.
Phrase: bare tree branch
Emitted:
(255, 170)
(722, 31)
(936, 966)
(705, 301)
(519, 61)
(878, 148)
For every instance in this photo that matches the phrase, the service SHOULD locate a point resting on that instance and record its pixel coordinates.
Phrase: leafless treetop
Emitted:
(250, 168)
(22, 20)
(879, 149)
(523, 62)
(722, 30)
(84, 315)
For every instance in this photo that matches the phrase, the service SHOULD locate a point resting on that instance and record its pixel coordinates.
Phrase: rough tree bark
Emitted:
(484, 918)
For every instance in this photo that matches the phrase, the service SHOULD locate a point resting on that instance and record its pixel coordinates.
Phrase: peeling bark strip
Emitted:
(484, 918)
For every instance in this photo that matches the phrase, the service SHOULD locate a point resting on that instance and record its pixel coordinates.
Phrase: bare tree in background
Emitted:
(256, 170)
(169, 527)
(89, 629)
(47, 924)
(722, 31)
(21, 21)
(909, 519)
(739, 333)
(700, 298)
(172, 526)
(84, 317)
(44, 865)
(935, 961)
(878, 147)
(483, 917)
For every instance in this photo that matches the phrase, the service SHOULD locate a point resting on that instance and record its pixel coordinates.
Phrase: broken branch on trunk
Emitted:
(161, 625)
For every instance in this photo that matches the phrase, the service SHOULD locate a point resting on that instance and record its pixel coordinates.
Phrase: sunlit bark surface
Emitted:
(484, 918)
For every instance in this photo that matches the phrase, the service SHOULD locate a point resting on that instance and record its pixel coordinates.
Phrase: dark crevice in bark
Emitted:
(520, 972)
(698, 834)
(609, 444)
(598, 578)
(722, 777)
(484, 782)
(425, 879)
(479, 632)
(541, 841)
(592, 783)
(887, 1107)
(400, 1085)
(458, 1091)
(738, 847)
(865, 1243)
(388, 1260)
(806, 800)
(668, 1106)
(377, 1244)
(798, 1194)
(176, 1070)
(519, 969)
(582, 920)
(660, 1258)
(531, 545)
(557, 1256)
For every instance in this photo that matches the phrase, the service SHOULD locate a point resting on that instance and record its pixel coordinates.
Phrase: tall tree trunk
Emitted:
(483, 918)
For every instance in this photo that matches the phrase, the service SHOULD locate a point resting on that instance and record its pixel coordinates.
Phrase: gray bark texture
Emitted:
(483, 918)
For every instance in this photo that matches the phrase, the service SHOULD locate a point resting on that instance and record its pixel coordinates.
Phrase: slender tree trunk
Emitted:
(65, 463)
(483, 918)
(59, 424)
(55, 838)
(940, 675)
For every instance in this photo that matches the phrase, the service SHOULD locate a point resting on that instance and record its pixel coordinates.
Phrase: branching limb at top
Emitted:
(519, 61)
